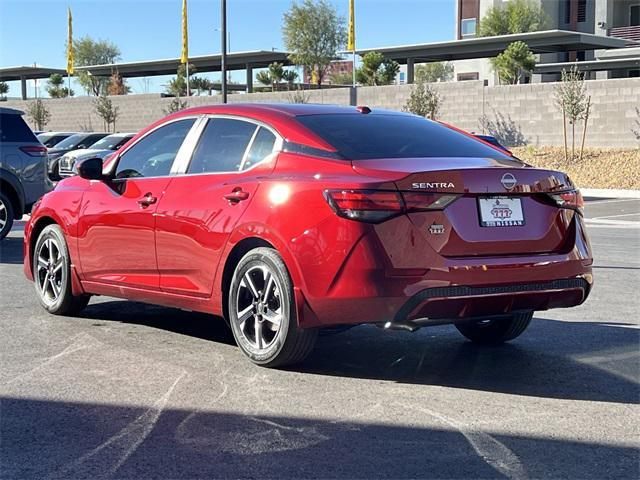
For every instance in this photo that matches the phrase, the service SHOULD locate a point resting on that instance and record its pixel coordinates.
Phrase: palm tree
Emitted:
(290, 77)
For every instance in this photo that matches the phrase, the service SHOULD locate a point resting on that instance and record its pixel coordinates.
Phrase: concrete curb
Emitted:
(609, 193)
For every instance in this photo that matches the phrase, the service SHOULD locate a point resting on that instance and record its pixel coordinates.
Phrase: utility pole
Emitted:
(223, 45)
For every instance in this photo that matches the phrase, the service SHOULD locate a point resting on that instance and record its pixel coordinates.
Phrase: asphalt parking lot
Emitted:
(135, 391)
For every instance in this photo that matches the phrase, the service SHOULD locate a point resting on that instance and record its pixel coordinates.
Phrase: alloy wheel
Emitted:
(259, 307)
(4, 215)
(50, 271)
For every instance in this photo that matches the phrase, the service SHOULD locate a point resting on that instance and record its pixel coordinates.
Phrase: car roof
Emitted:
(58, 133)
(290, 109)
(10, 111)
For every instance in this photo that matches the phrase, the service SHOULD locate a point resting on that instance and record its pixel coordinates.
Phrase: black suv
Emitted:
(23, 168)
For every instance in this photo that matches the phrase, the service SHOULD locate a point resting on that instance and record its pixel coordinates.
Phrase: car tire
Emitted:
(6, 215)
(262, 311)
(498, 330)
(52, 274)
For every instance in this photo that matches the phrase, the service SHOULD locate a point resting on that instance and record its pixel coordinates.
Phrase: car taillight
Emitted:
(572, 199)
(374, 206)
(34, 150)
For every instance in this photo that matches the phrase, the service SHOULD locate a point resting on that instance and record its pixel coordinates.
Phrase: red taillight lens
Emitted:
(34, 150)
(374, 206)
(572, 199)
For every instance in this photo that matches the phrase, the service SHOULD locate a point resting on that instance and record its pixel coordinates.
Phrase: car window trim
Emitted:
(114, 165)
(277, 145)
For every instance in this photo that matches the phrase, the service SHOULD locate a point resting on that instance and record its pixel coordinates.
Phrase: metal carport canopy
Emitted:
(24, 73)
(203, 63)
(546, 41)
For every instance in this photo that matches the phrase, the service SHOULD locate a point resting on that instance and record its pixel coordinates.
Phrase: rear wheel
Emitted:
(6, 215)
(52, 274)
(498, 330)
(262, 311)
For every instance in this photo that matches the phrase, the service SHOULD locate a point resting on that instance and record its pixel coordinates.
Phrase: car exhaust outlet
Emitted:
(407, 327)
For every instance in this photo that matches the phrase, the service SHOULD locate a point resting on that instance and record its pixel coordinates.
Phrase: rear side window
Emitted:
(261, 148)
(153, 155)
(91, 139)
(371, 136)
(222, 146)
(14, 129)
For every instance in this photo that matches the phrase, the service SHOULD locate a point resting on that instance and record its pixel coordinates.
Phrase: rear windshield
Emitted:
(361, 137)
(71, 142)
(14, 129)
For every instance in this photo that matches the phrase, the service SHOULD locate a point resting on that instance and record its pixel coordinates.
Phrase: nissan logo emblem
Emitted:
(508, 181)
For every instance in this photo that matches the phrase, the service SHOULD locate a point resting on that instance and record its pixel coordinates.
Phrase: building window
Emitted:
(634, 73)
(582, 10)
(468, 27)
(468, 76)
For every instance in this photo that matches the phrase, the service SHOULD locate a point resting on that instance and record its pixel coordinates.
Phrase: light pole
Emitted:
(223, 48)
(228, 49)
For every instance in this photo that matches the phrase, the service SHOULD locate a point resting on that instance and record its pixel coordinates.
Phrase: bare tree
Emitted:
(573, 100)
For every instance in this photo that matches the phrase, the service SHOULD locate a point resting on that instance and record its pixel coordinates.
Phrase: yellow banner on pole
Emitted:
(351, 43)
(70, 43)
(185, 34)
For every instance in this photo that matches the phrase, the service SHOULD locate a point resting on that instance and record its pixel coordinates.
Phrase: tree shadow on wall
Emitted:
(504, 129)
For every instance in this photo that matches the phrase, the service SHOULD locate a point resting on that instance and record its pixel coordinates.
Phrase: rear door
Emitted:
(202, 206)
(116, 236)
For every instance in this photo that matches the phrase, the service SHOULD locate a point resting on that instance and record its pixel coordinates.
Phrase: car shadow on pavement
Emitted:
(554, 359)
(61, 439)
(193, 324)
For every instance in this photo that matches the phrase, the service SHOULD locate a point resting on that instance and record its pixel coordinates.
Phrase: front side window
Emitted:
(154, 154)
(222, 146)
(468, 27)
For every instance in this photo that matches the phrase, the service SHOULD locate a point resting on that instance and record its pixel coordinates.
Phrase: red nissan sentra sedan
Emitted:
(288, 218)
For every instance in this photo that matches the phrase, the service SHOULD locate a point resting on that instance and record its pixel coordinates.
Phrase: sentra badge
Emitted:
(433, 185)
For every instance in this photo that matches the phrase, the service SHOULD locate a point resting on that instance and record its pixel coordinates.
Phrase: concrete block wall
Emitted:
(527, 113)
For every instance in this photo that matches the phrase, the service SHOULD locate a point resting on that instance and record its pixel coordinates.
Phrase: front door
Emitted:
(202, 206)
(116, 237)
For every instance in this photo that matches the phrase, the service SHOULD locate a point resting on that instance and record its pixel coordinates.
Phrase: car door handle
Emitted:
(147, 200)
(236, 196)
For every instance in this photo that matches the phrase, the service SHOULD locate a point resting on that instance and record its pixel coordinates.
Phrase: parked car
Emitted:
(51, 139)
(101, 149)
(286, 219)
(74, 142)
(23, 163)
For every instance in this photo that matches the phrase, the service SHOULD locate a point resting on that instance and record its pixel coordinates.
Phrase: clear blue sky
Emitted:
(35, 31)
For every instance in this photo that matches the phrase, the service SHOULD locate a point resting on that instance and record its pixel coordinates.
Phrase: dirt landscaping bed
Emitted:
(599, 168)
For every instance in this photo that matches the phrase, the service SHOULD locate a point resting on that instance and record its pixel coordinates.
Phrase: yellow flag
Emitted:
(351, 44)
(185, 34)
(70, 45)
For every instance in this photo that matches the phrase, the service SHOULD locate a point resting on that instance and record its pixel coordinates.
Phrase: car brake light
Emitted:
(572, 199)
(374, 206)
(34, 150)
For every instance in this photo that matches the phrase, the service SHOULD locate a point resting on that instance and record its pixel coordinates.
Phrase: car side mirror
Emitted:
(90, 169)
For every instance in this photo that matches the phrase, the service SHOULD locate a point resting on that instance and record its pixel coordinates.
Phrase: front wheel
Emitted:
(496, 330)
(52, 274)
(262, 311)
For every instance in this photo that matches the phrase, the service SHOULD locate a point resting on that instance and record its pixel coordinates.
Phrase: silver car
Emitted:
(101, 149)
(23, 168)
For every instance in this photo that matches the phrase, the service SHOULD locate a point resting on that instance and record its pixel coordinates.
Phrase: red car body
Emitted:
(173, 240)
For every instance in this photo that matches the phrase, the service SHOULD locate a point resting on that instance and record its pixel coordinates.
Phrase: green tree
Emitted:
(87, 51)
(337, 78)
(175, 106)
(377, 70)
(4, 89)
(107, 112)
(424, 100)
(434, 72)
(55, 87)
(200, 84)
(38, 113)
(177, 86)
(289, 76)
(512, 64)
(313, 32)
(572, 99)
(514, 16)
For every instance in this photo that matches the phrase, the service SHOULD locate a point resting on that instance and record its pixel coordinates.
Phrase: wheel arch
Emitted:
(36, 230)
